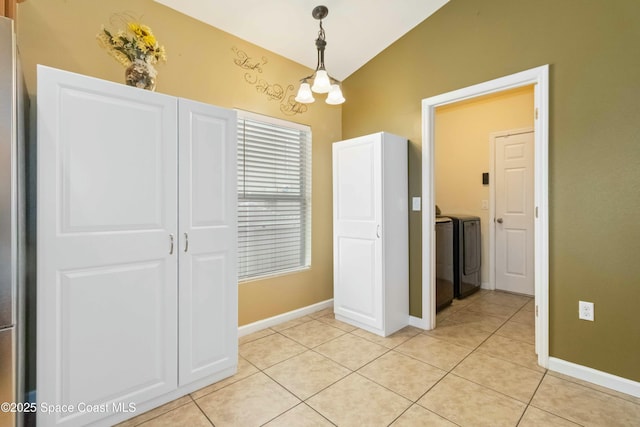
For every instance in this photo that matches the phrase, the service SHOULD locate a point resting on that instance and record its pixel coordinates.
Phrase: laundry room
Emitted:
(467, 191)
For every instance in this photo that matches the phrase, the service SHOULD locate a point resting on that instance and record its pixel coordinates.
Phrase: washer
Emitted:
(444, 262)
(467, 258)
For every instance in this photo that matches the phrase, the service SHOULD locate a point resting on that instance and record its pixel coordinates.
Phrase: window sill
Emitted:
(274, 275)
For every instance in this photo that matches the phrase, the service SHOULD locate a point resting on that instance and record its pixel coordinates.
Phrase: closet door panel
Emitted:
(107, 190)
(208, 241)
(370, 234)
(357, 225)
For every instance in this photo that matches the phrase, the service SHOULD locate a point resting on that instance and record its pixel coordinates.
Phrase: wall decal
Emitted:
(272, 91)
(244, 61)
(292, 107)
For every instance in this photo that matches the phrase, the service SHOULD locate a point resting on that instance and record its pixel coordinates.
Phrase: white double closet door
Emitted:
(136, 243)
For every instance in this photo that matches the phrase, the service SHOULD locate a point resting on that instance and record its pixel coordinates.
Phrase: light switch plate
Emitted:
(415, 204)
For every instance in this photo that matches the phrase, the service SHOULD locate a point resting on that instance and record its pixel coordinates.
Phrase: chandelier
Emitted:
(322, 81)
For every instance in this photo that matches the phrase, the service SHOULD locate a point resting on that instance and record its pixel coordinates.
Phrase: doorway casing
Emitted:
(539, 78)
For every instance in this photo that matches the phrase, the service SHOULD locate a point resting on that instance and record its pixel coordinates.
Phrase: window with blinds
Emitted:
(274, 196)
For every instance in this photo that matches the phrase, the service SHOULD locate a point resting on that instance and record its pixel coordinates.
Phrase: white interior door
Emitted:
(514, 216)
(107, 178)
(208, 240)
(357, 220)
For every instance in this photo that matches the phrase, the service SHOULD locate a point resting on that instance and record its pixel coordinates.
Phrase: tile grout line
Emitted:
(387, 350)
(527, 404)
(450, 372)
(302, 401)
(159, 415)
(351, 371)
(447, 372)
(531, 398)
(544, 410)
(203, 413)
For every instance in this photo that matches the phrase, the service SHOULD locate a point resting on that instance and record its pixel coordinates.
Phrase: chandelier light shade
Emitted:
(322, 81)
(305, 96)
(335, 96)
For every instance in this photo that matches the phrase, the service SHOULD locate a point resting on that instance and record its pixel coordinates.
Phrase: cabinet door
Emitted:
(357, 222)
(107, 191)
(208, 241)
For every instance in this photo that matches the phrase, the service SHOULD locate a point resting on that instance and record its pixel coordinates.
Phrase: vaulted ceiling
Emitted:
(356, 30)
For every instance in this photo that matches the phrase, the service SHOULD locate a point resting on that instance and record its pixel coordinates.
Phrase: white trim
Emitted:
(594, 376)
(242, 114)
(492, 199)
(539, 77)
(417, 322)
(284, 317)
(487, 286)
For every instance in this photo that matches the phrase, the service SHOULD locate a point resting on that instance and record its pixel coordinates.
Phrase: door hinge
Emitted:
(536, 114)
(536, 310)
(536, 212)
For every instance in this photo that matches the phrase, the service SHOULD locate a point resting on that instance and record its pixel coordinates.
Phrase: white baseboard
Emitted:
(284, 317)
(594, 376)
(417, 322)
(486, 285)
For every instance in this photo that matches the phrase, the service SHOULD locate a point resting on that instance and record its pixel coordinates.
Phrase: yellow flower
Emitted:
(145, 31)
(149, 40)
(138, 43)
(135, 28)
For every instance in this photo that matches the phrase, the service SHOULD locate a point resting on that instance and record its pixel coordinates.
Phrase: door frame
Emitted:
(492, 197)
(539, 77)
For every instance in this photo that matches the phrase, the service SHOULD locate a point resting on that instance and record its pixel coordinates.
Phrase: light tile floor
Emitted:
(477, 368)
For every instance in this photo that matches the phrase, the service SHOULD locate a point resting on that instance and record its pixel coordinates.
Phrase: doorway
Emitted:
(539, 77)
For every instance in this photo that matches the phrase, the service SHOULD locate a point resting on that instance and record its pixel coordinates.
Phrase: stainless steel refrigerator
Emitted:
(12, 224)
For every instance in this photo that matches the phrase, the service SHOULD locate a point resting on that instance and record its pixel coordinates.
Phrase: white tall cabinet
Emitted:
(370, 232)
(137, 282)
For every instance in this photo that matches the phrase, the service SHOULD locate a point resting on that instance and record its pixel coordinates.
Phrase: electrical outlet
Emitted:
(585, 310)
(485, 205)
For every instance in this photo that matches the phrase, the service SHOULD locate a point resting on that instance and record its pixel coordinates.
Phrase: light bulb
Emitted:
(304, 95)
(321, 83)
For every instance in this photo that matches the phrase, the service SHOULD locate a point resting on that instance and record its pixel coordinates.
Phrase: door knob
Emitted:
(499, 220)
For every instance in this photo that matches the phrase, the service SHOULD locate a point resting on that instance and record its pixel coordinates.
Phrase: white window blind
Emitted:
(274, 196)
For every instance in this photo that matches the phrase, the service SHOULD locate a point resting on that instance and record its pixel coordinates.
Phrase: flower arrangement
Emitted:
(137, 49)
(137, 43)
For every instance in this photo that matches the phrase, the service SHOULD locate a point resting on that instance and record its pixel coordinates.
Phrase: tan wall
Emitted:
(61, 34)
(462, 152)
(594, 151)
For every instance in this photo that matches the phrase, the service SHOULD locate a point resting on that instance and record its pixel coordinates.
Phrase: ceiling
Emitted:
(356, 30)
